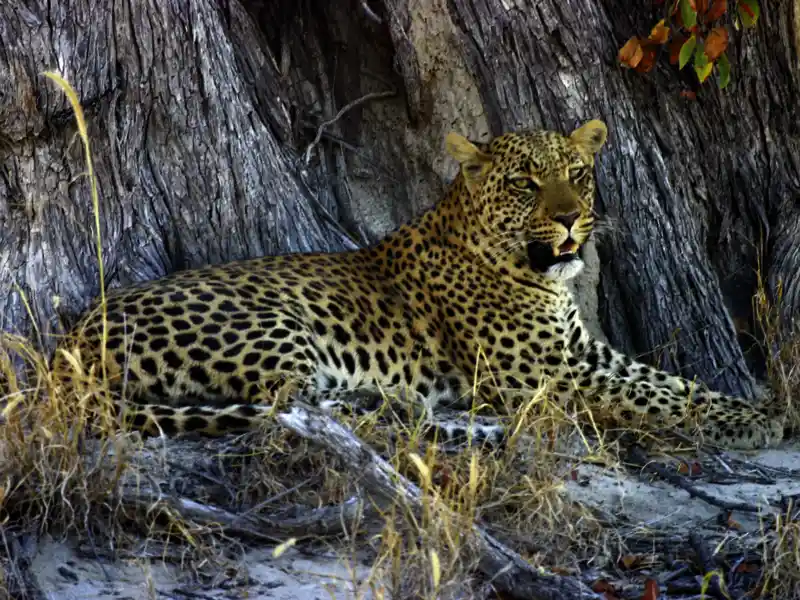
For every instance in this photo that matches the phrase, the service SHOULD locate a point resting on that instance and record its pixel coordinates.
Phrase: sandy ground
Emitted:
(663, 506)
(62, 575)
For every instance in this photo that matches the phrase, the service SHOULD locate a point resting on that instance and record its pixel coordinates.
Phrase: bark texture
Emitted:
(229, 129)
(187, 122)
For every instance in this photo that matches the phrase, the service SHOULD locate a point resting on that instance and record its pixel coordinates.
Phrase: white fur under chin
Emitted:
(565, 270)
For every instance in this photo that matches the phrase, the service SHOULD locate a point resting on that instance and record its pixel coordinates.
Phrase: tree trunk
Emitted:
(227, 129)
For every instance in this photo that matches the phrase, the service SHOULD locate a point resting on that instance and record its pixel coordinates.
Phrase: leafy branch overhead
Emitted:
(696, 31)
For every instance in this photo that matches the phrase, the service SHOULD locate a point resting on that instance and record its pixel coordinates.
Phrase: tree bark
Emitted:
(228, 129)
(187, 119)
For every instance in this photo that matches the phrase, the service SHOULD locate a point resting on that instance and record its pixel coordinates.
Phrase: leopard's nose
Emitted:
(567, 220)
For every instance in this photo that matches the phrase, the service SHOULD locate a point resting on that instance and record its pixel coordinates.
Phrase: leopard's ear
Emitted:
(590, 137)
(475, 164)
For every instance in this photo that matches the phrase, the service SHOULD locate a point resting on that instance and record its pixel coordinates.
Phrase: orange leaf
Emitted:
(675, 48)
(718, 8)
(648, 60)
(602, 585)
(631, 53)
(689, 95)
(716, 42)
(690, 468)
(651, 591)
(732, 523)
(659, 34)
(701, 6)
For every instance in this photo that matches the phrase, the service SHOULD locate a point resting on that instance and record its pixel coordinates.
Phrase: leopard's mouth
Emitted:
(543, 256)
(567, 248)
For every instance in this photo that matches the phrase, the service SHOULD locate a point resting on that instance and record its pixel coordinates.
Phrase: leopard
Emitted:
(478, 283)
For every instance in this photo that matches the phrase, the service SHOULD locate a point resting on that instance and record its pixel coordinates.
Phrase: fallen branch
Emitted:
(15, 566)
(716, 585)
(314, 522)
(637, 456)
(506, 570)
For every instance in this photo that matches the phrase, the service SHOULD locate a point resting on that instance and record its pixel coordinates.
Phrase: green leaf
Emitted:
(702, 66)
(724, 70)
(686, 51)
(700, 58)
(703, 71)
(749, 11)
(688, 14)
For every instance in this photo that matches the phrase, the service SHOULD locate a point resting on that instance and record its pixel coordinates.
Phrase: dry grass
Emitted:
(516, 493)
(781, 541)
(44, 477)
(782, 351)
(781, 557)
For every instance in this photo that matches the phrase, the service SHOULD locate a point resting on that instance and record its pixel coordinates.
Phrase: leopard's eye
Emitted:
(524, 183)
(576, 174)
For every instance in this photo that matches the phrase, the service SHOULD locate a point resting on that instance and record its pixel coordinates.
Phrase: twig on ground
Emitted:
(637, 456)
(775, 471)
(275, 498)
(18, 580)
(506, 570)
(182, 594)
(327, 520)
(716, 585)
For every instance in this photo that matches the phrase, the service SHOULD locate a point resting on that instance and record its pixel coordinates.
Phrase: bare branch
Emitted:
(304, 522)
(638, 457)
(340, 114)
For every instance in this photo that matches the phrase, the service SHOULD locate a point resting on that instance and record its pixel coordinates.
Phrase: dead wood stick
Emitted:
(18, 579)
(716, 585)
(507, 571)
(638, 457)
(326, 520)
(349, 106)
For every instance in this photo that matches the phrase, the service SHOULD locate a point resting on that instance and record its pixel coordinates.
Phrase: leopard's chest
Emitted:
(501, 322)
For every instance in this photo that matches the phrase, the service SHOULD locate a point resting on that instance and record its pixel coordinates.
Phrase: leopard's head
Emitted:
(532, 192)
